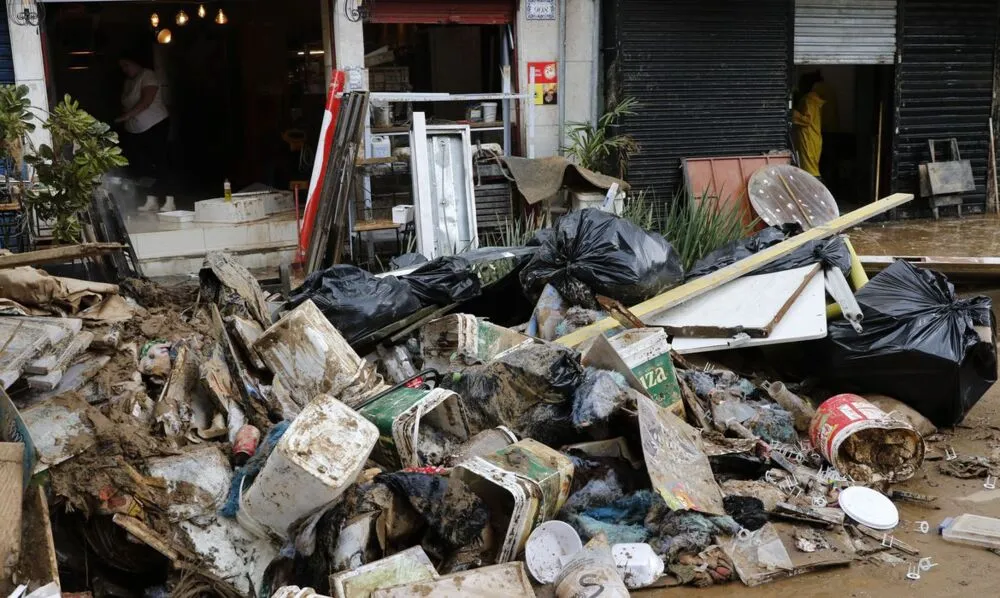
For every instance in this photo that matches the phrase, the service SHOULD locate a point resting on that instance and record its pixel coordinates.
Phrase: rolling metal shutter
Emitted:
(845, 31)
(711, 78)
(945, 85)
(463, 12)
(6, 54)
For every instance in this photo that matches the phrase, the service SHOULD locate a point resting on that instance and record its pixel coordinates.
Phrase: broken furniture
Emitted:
(943, 182)
(727, 178)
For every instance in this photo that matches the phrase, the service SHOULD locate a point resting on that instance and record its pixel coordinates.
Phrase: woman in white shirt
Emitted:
(146, 122)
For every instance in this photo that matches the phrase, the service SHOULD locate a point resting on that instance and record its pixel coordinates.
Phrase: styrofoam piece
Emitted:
(247, 209)
(497, 581)
(176, 216)
(869, 507)
(402, 214)
(973, 529)
(638, 565)
(205, 467)
(547, 549)
(319, 456)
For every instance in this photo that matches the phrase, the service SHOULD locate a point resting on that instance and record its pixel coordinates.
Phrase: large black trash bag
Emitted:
(607, 255)
(919, 345)
(832, 253)
(407, 260)
(444, 281)
(356, 302)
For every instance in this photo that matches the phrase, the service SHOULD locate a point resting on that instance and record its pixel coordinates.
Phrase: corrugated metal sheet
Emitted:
(711, 78)
(465, 12)
(6, 54)
(945, 86)
(845, 31)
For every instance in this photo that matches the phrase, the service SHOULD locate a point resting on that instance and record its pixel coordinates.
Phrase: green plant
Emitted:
(15, 123)
(640, 210)
(596, 148)
(516, 233)
(83, 150)
(696, 228)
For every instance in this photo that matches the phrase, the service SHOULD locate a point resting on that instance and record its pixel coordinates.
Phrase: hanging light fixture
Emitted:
(221, 18)
(201, 11)
(182, 18)
(154, 20)
(164, 36)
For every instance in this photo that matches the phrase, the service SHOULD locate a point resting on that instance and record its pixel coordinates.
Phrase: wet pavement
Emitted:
(972, 236)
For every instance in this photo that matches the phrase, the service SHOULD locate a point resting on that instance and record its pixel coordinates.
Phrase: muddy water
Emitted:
(972, 236)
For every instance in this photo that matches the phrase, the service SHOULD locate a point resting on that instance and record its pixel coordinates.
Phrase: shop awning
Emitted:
(463, 12)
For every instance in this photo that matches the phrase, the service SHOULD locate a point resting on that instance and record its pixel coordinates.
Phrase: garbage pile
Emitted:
(220, 441)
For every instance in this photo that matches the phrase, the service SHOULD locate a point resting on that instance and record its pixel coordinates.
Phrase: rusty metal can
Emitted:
(245, 444)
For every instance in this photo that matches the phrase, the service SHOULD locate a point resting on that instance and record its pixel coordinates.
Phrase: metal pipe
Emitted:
(562, 75)
(595, 66)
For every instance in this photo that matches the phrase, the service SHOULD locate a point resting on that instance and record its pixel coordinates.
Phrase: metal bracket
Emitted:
(991, 482)
(840, 290)
(924, 527)
(927, 563)
(950, 454)
(913, 573)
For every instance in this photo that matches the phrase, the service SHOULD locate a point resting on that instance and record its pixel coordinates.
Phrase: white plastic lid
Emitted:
(868, 507)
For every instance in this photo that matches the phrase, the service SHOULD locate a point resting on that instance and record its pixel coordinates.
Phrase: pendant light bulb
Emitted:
(221, 18)
(201, 11)
(182, 18)
(164, 36)
(154, 20)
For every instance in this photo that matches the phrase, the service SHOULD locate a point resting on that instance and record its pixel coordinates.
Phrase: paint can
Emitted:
(245, 443)
(864, 442)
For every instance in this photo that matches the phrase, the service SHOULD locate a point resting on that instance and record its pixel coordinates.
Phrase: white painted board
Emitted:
(805, 320)
(748, 302)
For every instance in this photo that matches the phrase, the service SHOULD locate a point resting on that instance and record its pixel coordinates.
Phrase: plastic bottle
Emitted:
(227, 191)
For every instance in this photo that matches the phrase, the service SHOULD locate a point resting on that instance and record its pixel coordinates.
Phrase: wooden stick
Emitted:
(993, 164)
(700, 286)
(58, 255)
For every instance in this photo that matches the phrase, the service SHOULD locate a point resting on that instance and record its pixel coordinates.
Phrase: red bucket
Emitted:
(864, 442)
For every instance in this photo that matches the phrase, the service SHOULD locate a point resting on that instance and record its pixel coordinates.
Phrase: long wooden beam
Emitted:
(58, 255)
(958, 268)
(700, 286)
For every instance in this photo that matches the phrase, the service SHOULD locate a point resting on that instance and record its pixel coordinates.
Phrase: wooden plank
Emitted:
(58, 255)
(58, 361)
(38, 565)
(177, 554)
(700, 286)
(752, 305)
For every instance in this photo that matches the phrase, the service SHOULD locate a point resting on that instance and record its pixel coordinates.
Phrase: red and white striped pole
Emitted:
(335, 93)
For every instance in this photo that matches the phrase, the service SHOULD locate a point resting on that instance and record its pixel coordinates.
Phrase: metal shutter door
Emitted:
(6, 54)
(845, 31)
(464, 12)
(711, 78)
(944, 86)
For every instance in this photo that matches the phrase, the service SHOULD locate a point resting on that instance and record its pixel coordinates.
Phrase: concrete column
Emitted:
(29, 69)
(324, 11)
(538, 41)
(349, 44)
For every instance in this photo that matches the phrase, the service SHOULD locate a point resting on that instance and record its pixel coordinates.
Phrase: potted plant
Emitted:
(83, 150)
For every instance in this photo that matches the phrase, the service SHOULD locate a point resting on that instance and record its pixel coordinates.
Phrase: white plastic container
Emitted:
(549, 547)
(320, 455)
(974, 530)
(381, 146)
(489, 112)
(402, 214)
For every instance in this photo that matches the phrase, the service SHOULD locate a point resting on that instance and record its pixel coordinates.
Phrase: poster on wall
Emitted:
(546, 83)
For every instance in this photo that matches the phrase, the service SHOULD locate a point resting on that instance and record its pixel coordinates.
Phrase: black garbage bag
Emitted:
(919, 345)
(356, 302)
(604, 254)
(832, 253)
(444, 281)
(407, 260)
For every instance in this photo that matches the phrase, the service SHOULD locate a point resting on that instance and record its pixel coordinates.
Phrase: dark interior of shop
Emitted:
(237, 84)
(858, 104)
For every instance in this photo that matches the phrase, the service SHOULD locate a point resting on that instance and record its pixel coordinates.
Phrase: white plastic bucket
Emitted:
(320, 455)
(489, 112)
(551, 545)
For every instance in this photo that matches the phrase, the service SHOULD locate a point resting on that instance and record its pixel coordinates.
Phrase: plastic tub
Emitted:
(490, 112)
(320, 455)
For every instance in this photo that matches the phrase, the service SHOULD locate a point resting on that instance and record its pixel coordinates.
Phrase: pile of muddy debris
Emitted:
(217, 440)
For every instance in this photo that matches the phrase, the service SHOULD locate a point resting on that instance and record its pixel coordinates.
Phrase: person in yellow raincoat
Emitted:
(807, 119)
